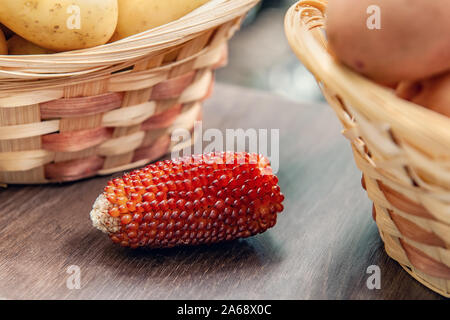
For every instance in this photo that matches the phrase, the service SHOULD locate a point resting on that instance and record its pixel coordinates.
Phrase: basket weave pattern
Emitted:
(402, 149)
(70, 116)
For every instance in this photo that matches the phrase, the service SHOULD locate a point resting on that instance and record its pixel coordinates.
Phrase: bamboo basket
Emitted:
(402, 149)
(73, 115)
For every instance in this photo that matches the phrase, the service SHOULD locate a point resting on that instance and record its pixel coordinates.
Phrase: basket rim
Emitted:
(307, 38)
(210, 15)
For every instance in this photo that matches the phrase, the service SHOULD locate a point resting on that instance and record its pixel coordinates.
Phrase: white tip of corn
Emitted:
(101, 218)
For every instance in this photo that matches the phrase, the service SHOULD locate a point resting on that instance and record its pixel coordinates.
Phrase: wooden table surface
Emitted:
(320, 249)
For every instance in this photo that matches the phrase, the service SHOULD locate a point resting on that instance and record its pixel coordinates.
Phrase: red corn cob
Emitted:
(192, 200)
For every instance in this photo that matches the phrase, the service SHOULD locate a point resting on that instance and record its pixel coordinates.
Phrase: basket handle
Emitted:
(311, 14)
(305, 30)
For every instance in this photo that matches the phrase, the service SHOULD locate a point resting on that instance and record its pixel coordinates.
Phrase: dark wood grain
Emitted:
(320, 248)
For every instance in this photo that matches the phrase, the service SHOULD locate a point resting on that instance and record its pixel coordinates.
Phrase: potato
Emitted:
(136, 16)
(3, 44)
(20, 46)
(61, 25)
(412, 44)
(8, 33)
(433, 93)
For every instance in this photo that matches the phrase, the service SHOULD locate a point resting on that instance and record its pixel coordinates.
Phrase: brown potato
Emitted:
(413, 42)
(433, 93)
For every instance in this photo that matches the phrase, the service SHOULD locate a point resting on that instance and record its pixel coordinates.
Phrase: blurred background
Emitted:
(260, 56)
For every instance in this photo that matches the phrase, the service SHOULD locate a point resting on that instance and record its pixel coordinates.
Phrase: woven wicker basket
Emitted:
(73, 115)
(403, 150)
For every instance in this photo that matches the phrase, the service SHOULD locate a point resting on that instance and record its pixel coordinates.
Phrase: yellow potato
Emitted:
(20, 46)
(389, 40)
(61, 25)
(136, 16)
(3, 44)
